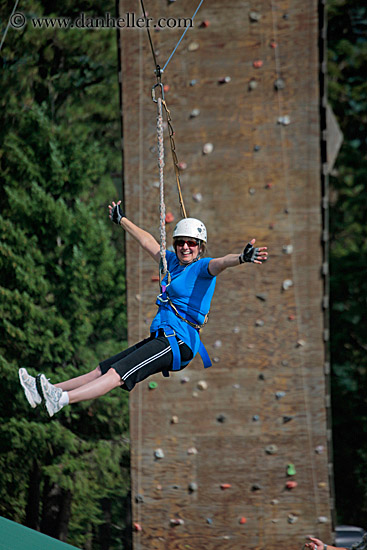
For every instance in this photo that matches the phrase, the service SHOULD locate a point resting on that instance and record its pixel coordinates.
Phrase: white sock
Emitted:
(64, 399)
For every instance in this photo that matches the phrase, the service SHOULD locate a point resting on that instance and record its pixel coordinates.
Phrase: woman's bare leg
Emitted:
(74, 383)
(96, 388)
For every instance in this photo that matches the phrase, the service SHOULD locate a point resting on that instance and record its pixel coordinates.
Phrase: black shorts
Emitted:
(145, 358)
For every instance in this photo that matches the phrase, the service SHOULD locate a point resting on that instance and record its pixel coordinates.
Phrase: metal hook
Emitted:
(153, 91)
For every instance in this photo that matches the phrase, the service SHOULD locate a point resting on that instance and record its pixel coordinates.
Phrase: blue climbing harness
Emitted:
(166, 306)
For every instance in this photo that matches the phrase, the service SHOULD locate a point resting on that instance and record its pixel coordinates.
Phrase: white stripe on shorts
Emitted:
(149, 360)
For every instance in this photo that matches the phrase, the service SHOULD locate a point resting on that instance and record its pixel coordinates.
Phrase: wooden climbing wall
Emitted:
(261, 422)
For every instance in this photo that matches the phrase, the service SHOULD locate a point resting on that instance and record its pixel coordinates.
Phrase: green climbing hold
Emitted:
(291, 470)
(153, 385)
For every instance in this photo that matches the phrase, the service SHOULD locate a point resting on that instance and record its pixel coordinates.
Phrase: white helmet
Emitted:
(190, 227)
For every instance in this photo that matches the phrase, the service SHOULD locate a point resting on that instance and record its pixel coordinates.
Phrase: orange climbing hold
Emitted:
(137, 527)
(291, 484)
(225, 486)
(169, 217)
(243, 521)
(258, 64)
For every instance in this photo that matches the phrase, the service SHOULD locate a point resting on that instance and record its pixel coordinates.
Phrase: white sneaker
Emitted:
(51, 395)
(30, 388)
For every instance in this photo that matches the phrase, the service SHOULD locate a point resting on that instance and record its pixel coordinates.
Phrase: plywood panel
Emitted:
(262, 180)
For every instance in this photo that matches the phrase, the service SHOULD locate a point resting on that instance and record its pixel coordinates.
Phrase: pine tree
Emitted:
(62, 310)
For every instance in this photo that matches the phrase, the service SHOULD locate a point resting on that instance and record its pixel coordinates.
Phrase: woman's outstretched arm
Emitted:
(250, 254)
(145, 239)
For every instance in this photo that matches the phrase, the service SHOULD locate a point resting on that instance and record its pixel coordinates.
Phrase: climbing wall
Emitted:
(234, 456)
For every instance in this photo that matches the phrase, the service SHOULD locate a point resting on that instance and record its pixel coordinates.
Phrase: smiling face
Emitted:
(187, 249)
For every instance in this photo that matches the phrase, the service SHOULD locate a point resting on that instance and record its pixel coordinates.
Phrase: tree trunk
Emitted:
(33, 501)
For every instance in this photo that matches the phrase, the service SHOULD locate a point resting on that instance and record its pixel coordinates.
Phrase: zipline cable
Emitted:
(8, 25)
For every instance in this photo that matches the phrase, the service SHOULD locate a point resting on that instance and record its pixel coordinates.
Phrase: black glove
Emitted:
(117, 214)
(249, 254)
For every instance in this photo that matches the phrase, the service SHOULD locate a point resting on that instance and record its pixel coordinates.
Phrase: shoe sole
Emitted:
(27, 393)
(42, 382)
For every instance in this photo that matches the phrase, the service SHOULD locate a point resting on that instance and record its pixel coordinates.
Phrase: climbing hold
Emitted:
(279, 84)
(208, 148)
(271, 449)
(236, 330)
(261, 376)
(193, 46)
(185, 379)
(215, 359)
(292, 518)
(291, 485)
(192, 451)
(286, 16)
(256, 417)
(137, 527)
(236, 386)
(253, 84)
(287, 419)
(256, 487)
(250, 346)
(169, 217)
(153, 149)
(259, 323)
(193, 82)
(193, 487)
(176, 521)
(273, 44)
(322, 519)
(271, 225)
(166, 88)
(263, 296)
(291, 317)
(139, 499)
(284, 120)
(252, 191)
(202, 385)
(322, 485)
(155, 184)
(300, 343)
(221, 418)
(194, 113)
(159, 487)
(158, 453)
(287, 249)
(174, 420)
(254, 16)
(209, 521)
(287, 283)
(285, 363)
(225, 486)
(218, 344)
(195, 394)
(154, 278)
(291, 470)
(204, 24)
(224, 80)
(197, 197)
(319, 449)
(269, 185)
(152, 385)
(242, 521)
(137, 297)
(182, 165)
(279, 394)
(258, 63)
(257, 148)
(274, 502)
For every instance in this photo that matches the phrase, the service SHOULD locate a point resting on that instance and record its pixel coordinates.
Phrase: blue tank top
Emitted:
(191, 290)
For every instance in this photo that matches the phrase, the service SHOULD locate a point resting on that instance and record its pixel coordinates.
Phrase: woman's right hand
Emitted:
(116, 213)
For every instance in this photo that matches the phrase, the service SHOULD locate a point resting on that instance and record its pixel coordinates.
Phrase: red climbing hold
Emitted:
(243, 521)
(204, 24)
(225, 486)
(258, 63)
(169, 217)
(155, 278)
(166, 88)
(137, 527)
(273, 44)
(291, 484)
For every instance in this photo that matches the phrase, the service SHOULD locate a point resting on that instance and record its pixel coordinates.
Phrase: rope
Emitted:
(162, 206)
(183, 34)
(8, 25)
(175, 159)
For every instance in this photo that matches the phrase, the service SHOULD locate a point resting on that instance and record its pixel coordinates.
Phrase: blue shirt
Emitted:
(191, 290)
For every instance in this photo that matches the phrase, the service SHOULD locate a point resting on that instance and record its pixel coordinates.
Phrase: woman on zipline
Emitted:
(174, 333)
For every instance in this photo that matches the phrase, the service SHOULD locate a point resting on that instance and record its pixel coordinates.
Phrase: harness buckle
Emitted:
(164, 301)
(169, 335)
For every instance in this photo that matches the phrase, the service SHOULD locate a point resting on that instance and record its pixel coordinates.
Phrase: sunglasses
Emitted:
(190, 244)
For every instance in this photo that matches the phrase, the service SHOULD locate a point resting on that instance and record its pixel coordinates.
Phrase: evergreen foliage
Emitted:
(62, 283)
(347, 42)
